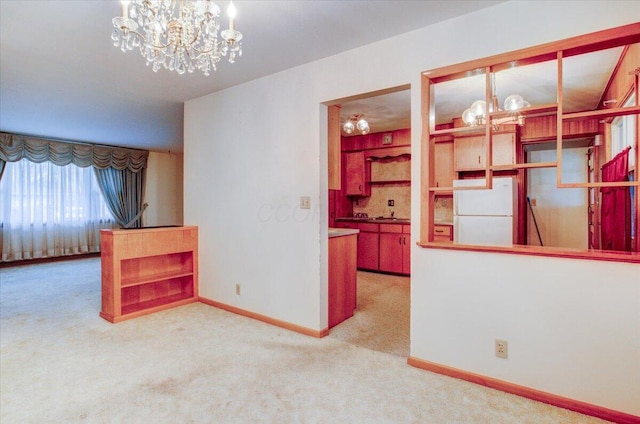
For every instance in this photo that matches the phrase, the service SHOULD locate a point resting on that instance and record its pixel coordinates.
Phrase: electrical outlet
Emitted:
(238, 289)
(502, 349)
(390, 202)
(534, 202)
(305, 202)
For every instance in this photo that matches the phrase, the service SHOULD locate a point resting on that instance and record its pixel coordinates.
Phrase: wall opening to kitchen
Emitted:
(373, 195)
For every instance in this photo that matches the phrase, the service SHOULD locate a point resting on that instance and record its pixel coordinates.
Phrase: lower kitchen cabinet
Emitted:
(368, 247)
(383, 247)
(406, 249)
(442, 233)
(395, 248)
(342, 278)
(391, 252)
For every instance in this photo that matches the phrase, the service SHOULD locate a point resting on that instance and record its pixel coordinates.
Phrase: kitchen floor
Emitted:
(381, 319)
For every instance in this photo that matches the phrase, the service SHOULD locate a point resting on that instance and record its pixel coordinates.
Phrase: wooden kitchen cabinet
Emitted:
(395, 248)
(443, 233)
(406, 249)
(469, 152)
(368, 246)
(356, 174)
(444, 170)
(342, 278)
(504, 149)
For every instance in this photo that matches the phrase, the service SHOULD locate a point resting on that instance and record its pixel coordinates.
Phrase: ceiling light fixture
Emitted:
(180, 36)
(477, 113)
(356, 122)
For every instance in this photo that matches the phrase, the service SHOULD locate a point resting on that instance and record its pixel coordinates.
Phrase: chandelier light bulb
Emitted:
(513, 102)
(231, 11)
(348, 127)
(468, 117)
(362, 125)
(125, 9)
(479, 109)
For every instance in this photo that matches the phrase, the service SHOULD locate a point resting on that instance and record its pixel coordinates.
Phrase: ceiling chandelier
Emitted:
(180, 36)
(477, 113)
(356, 122)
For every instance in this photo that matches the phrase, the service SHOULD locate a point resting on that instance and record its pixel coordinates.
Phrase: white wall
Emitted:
(252, 150)
(163, 189)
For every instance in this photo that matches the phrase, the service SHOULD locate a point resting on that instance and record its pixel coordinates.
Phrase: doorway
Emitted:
(382, 315)
(557, 217)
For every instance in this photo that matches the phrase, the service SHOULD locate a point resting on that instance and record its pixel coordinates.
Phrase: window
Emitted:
(49, 210)
(623, 129)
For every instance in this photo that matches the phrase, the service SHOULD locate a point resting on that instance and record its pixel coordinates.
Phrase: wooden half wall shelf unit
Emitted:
(148, 270)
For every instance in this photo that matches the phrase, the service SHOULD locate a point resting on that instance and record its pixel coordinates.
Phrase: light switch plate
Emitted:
(305, 202)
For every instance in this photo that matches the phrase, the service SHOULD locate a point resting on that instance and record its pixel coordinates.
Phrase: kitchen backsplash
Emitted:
(444, 209)
(393, 169)
(376, 204)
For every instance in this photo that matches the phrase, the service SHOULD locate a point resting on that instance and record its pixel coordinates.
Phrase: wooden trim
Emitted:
(119, 318)
(627, 34)
(427, 152)
(386, 152)
(269, 320)
(527, 392)
(636, 89)
(479, 129)
(334, 150)
(555, 252)
(601, 184)
(603, 113)
(538, 110)
(525, 166)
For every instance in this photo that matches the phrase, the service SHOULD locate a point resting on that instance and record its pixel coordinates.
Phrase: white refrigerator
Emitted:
(485, 217)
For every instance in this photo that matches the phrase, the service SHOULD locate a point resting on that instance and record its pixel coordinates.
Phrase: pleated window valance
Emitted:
(15, 147)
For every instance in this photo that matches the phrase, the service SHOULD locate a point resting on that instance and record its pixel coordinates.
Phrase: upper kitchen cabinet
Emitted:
(470, 151)
(357, 174)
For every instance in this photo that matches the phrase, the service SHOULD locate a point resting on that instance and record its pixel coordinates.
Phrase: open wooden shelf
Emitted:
(159, 303)
(148, 270)
(130, 282)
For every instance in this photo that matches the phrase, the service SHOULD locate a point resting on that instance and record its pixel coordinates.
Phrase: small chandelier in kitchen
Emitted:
(477, 113)
(356, 122)
(180, 35)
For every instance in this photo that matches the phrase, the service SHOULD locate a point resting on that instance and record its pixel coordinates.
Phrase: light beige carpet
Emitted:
(381, 320)
(60, 362)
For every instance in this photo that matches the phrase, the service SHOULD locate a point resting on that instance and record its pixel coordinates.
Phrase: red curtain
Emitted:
(616, 204)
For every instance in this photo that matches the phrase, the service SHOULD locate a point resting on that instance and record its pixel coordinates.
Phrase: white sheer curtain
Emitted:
(48, 210)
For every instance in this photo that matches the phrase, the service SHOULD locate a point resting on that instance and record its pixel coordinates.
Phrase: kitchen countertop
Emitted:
(377, 220)
(339, 232)
(437, 222)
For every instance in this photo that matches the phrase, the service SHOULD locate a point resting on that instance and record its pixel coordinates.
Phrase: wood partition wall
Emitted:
(552, 122)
